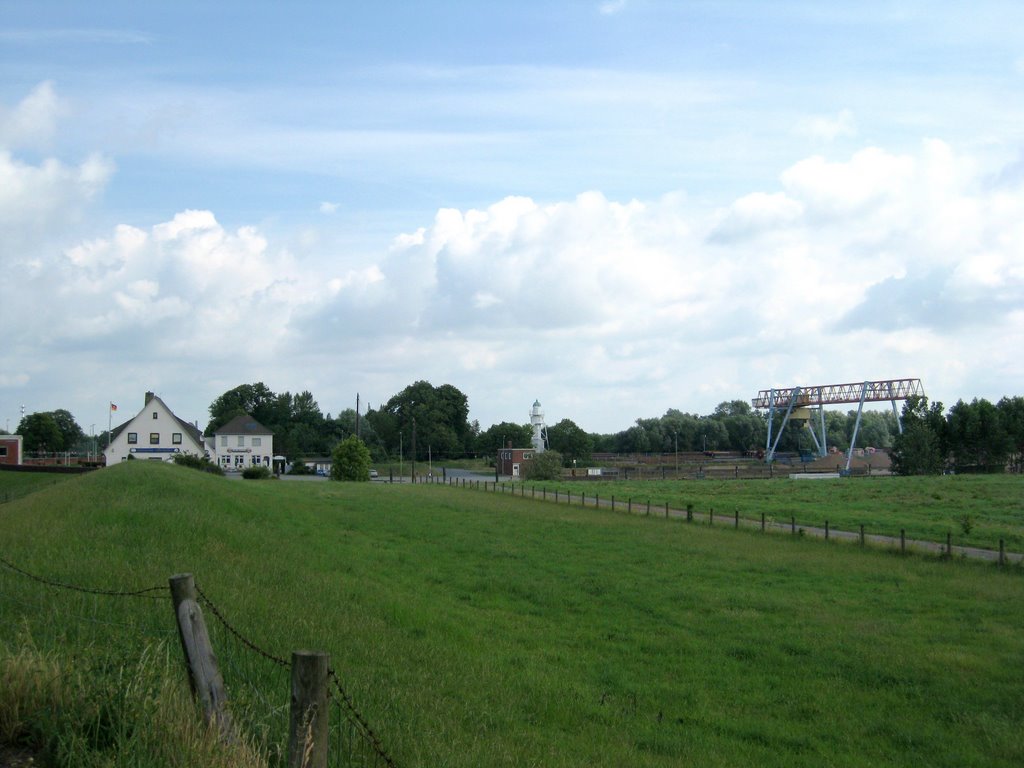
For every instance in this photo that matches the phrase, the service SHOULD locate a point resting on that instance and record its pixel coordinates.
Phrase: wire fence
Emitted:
(257, 681)
(893, 539)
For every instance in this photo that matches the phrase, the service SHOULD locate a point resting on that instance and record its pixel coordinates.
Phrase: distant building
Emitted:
(155, 433)
(512, 462)
(11, 449)
(242, 442)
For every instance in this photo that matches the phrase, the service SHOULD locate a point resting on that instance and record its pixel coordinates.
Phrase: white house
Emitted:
(242, 442)
(155, 433)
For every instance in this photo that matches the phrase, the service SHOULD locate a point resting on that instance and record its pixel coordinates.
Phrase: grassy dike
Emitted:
(482, 630)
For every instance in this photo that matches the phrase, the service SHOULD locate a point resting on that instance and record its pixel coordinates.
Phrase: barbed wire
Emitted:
(143, 593)
(238, 635)
(354, 717)
(352, 714)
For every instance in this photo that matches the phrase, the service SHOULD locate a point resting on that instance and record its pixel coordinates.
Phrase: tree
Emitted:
(571, 441)
(351, 460)
(1011, 413)
(41, 433)
(920, 449)
(976, 436)
(254, 399)
(544, 466)
(498, 436)
(71, 434)
(440, 414)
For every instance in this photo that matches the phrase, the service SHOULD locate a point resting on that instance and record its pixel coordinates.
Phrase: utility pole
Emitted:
(414, 449)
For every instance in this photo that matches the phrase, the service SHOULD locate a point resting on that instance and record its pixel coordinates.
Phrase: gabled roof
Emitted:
(243, 425)
(193, 431)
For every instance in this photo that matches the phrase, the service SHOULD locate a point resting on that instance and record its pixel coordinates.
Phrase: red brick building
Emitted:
(10, 449)
(512, 461)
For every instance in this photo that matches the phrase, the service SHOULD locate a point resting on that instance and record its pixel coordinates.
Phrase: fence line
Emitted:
(262, 707)
(899, 542)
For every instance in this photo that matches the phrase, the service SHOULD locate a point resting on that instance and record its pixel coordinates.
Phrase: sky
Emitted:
(615, 207)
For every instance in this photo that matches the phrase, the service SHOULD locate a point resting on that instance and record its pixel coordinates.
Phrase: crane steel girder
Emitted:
(838, 394)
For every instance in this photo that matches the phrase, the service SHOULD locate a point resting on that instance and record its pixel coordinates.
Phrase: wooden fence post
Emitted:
(666, 510)
(826, 530)
(203, 676)
(762, 522)
(613, 503)
(949, 544)
(737, 519)
(903, 541)
(629, 506)
(862, 534)
(792, 523)
(1002, 553)
(648, 506)
(711, 516)
(310, 716)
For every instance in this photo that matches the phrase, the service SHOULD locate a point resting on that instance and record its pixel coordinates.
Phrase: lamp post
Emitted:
(675, 443)
(401, 465)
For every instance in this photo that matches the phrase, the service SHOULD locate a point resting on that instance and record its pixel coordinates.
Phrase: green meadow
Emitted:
(977, 510)
(477, 629)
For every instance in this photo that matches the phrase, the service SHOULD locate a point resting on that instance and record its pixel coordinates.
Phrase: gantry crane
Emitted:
(800, 401)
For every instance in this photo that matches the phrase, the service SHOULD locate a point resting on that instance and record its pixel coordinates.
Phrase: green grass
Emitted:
(14, 485)
(475, 629)
(926, 507)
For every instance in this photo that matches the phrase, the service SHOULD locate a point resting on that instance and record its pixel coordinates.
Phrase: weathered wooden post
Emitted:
(310, 715)
(762, 522)
(711, 516)
(203, 676)
(737, 525)
(648, 506)
(949, 544)
(792, 523)
(666, 510)
(1002, 553)
(826, 530)
(862, 534)
(903, 541)
(629, 506)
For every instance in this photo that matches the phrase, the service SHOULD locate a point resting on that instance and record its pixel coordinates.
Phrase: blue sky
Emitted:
(614, 207)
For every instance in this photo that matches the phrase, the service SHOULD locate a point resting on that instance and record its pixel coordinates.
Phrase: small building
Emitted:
(155, 433)
(242, 442)
(11, 449)
(512, 461)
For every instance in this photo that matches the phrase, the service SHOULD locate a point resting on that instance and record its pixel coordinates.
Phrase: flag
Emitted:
(113, 407)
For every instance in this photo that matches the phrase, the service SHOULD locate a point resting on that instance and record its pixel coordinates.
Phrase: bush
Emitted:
(544, 466)
(201, 463)
(298, 468)
(351, 460)
(256, 473)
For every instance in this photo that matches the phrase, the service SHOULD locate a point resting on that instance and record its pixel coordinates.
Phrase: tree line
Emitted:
(425, 421)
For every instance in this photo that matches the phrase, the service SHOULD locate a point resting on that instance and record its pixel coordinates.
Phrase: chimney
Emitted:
(149, 396)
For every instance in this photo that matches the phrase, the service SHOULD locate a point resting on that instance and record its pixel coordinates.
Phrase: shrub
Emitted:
(256, 473)
(298, 468)
(544, 466)
(351, 460)
(197, 462)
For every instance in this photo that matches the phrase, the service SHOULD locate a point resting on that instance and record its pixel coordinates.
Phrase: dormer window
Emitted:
(154, 414)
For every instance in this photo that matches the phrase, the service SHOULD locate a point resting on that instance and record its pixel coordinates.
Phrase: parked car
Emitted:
(373, 474)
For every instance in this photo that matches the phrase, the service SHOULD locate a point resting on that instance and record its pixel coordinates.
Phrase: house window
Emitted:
(257, 442)
(176, 438)
(154, 414)
(527, 455)
(241, 441)
(223, 441)
(133, 438)
(3, 451)
(154, 438)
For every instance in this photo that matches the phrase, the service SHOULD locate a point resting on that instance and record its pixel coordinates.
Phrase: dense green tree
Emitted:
(71, 434)
(41, 433)
(976, 436)
(544, 466)
(351, 460)
(571, 441)
(920, 449)
(441, 417)
(1011, 413)
(488, 442)
(254, 399)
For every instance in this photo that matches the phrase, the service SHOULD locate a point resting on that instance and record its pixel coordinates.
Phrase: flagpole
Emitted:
(110, 413)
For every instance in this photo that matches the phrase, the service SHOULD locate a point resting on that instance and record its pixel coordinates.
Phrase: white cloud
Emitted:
(33, 121)
(827, 127)
(611, 7)
(328, 209)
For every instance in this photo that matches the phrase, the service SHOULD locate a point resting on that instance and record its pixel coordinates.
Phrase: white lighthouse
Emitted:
(540, 429)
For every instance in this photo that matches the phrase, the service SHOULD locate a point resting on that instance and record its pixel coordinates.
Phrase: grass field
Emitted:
(926, 507)
(14, 485)
(487, 630)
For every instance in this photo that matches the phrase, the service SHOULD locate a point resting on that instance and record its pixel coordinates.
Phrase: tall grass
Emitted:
(475, 629)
